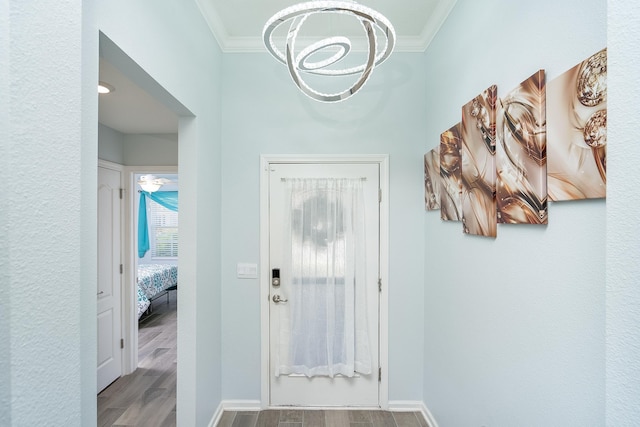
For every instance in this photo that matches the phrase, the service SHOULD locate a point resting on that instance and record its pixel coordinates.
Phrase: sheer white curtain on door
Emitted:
(323, 328)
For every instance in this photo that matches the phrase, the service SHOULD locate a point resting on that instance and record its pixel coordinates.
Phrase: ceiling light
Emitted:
(150, 183)
(372, 23)
(105, 88)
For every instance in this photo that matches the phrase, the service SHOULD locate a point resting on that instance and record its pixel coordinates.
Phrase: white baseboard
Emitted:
(413, 406)
(428, 416)
(241, 405)
(216, 416)
(405, 405)
(233, 405)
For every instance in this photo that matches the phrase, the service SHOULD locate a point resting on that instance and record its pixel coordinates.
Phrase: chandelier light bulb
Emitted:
(372, 22)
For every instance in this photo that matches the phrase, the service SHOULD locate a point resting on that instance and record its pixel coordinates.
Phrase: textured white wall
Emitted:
(623, 211)
(49, 241)
(514, 327)
(264, 113)
(5, 135)
(49, 211)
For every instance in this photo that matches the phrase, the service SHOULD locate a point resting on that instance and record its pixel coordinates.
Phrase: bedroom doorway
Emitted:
(155, 220)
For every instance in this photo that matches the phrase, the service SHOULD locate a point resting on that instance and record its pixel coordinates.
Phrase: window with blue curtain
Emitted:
(158, 225)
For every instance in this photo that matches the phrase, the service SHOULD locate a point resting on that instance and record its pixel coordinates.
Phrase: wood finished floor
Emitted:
(319, 418)
(147, 398)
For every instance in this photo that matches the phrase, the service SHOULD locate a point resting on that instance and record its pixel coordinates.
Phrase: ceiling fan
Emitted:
(151, 183)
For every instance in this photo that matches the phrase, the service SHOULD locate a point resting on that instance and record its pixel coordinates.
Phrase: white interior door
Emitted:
(298, 389)
(109, 278)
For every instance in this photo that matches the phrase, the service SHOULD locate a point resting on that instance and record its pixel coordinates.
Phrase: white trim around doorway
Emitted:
(383, 161)
(130, 295)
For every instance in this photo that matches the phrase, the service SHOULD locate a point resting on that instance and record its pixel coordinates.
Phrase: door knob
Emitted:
(276, 298)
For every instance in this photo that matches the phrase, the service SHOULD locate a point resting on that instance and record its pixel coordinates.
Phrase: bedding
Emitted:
(143, 302)
(153, 280)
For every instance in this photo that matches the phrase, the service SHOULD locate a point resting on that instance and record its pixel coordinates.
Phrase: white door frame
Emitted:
(265, 161)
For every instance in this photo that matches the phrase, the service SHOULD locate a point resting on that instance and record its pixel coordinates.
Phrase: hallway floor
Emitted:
(319, 418)
(148, 396)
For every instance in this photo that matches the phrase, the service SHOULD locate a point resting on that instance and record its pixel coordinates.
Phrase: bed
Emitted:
(153, 281)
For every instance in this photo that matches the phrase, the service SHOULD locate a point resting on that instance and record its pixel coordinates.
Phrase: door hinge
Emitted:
(121, 191)
(379, 284)
(379, 374)
(379, 195)
(121, 342)
(121, 269)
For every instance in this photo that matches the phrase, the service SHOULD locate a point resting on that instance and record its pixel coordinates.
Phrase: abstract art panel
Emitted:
(577, 131)
(478, 131)
(451, 175)
(432, 180)
(521, 154)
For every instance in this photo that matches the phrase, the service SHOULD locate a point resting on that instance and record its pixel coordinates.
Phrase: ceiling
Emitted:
(131, 110)
(415, 21)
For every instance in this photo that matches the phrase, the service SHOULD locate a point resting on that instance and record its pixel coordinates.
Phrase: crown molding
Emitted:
(435, 22)
(230, 44)
(214, 22)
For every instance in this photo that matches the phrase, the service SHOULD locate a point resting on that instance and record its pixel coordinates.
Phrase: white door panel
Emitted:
(108, 289)
(298, 390)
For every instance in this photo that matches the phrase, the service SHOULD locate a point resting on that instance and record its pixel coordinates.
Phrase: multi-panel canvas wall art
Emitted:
(478, 131)
(577, 131)
(451, 174)
(510, 155)
(521, 154)
(432, 180)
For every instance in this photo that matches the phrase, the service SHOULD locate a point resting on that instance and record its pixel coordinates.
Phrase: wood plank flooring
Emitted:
(148, 396)
(321, 418)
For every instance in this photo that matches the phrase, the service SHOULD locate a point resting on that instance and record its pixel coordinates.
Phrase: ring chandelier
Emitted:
(298, 14)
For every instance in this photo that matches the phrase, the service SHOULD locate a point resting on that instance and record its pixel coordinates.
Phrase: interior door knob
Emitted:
(276, 298)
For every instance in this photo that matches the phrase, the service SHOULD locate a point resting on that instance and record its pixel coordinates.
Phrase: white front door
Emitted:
(297, 389)
(109, 277)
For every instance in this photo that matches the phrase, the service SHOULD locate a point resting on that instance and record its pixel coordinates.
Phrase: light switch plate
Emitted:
(246, 270)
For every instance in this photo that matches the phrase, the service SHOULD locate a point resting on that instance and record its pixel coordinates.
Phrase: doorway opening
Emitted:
(132, 134)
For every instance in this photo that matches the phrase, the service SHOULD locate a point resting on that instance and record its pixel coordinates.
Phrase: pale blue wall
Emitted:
(5, 133)
(623, 211)
(264, 113)
(151, 149)
(514, 327)
(137, 149)
(110, 145)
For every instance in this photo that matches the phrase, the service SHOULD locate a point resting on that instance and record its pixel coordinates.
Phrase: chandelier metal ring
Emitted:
(370, 20)
(343, 44)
